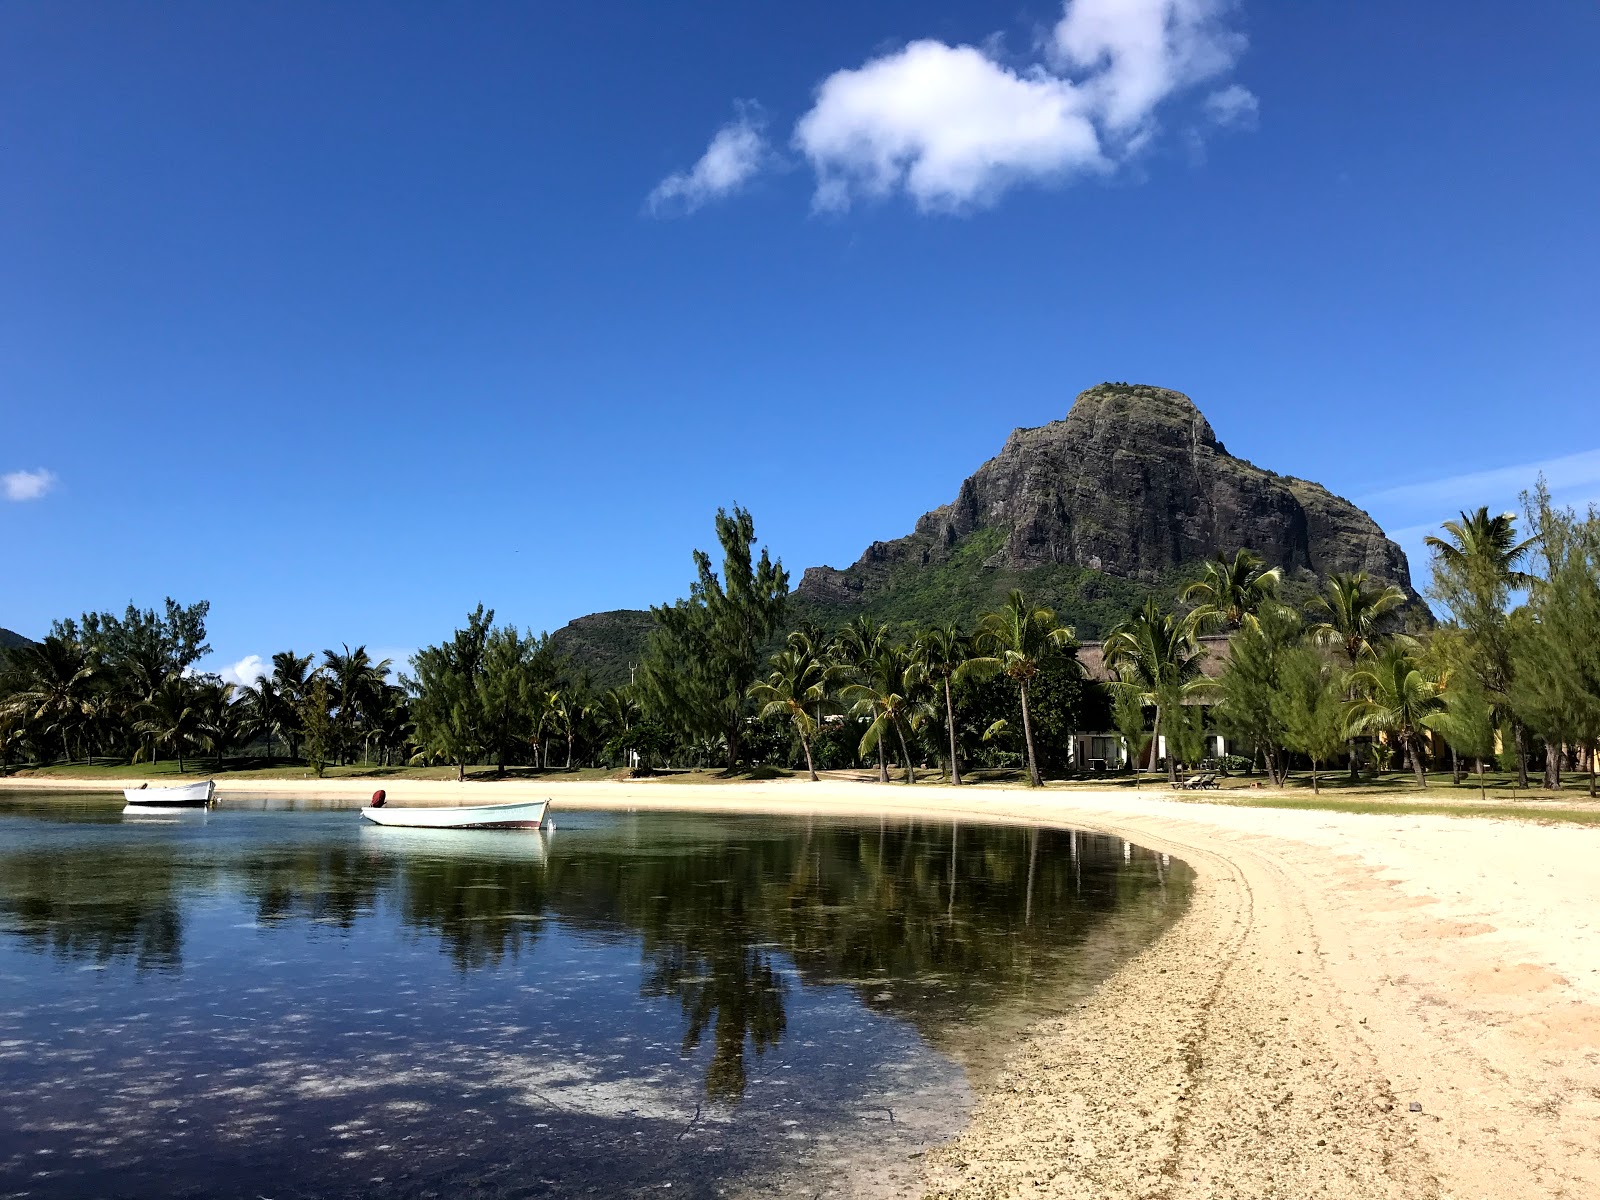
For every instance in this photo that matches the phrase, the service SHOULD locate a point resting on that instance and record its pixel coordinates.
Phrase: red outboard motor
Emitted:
(378, 798)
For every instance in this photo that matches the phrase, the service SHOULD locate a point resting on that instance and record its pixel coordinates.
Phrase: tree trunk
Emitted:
(883, 763)
(1034, 778)
(569, 752)
(1316, 789)
(950, 717)
(461, 770)
(1482, 794)
(1519, 735)
(905, 753)
(180, 762)
(1414, 749)
(805, 744)
(1155, 739)
(1552, 767)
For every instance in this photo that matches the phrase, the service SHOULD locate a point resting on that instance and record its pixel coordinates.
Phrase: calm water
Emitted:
(280, 1004)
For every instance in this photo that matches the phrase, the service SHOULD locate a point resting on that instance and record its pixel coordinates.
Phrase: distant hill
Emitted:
(1090, 514)
(605, 644)
(13, 641)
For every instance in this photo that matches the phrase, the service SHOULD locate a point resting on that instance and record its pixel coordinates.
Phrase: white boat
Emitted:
(187, 795)
(529, 815)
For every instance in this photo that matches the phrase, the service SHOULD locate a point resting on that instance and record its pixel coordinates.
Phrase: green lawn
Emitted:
(1529, 811)
(244, 769)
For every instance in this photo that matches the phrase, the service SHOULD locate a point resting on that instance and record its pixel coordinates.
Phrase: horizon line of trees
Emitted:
(1511, 673)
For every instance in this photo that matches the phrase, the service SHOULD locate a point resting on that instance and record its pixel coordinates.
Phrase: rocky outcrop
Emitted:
(1133, 483)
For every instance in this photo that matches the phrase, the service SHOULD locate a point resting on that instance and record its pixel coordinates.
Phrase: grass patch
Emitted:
(246, 769)
(1407, 808)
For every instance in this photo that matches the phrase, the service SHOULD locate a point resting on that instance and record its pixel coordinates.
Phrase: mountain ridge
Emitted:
(1120, 499)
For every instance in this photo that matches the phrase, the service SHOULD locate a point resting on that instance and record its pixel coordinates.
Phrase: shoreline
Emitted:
(1332, 969)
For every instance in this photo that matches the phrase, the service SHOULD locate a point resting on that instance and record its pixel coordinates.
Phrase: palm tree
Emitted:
(1395, 697)
(546, 706)
(291, 676)
(568, 713)
(856, 647)
(392, 724)
(797, 689)
(11, 736)
(1477, 566)
(1355, 610)
(890, 695)
(948, 655)
(1157, 658)
(171, 718)
(221, 723)
(270, 714)
(355, 680)
(58, 689)
(1481, 543)
(1014, 640)
(1231, 592)
(618, 713)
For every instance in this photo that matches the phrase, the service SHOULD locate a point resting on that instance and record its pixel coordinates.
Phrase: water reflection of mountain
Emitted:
(931, 923)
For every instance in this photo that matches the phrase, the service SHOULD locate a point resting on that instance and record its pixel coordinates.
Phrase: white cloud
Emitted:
(1233, 107)
(246, 671)
(955, 128)
(735, 155)
(1580, 470)
(27, 485)
(1411, 512)
(1138, 52)
(947, 123)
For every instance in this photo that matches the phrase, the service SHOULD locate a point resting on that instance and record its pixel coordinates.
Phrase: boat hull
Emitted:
(188, 795)
(477, 816)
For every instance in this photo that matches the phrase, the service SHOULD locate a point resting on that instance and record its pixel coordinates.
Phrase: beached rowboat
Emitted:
(477, 816)
(186, 795)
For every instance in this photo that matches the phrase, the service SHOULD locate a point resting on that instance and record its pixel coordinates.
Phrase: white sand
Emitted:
(1333, 969)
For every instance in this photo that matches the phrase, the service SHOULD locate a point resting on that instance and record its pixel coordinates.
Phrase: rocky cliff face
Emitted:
(1089, 515)
(1132, 484)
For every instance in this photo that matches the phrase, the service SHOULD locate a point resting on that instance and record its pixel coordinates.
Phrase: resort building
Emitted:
(1101, 749)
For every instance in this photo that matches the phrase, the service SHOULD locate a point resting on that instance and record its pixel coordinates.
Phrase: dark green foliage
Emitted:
(1249, 690)
(1309, 705)
(143, 646)
(1128, 717)
(1554, 643)
(445, 683)
(961, 588)
(608, 645)
(12, 641)
(706, 650)
(316, 718)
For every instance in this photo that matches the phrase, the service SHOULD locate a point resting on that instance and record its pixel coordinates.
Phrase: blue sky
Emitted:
(349, 317)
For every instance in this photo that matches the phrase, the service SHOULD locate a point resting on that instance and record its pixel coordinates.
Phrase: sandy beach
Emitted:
(1334, 974)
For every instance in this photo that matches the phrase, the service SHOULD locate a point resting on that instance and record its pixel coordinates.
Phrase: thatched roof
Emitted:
(1216, 646)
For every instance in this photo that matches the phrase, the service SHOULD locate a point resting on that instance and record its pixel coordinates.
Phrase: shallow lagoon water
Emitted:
(254, 1002)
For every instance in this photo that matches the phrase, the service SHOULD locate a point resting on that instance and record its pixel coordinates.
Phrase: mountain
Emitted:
(606, 644)
(1090, 514)
(12, 641)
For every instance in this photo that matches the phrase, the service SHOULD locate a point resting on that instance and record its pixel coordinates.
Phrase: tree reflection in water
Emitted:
(125, 905)
(925, 922)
